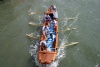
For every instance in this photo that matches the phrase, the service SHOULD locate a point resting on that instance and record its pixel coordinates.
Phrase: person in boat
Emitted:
(43, 44)
(47, 17)
(53, 36)
(45, 30)
(51, 11)
(50, 41)
(55, 12)
(53, 8)
(53, 23)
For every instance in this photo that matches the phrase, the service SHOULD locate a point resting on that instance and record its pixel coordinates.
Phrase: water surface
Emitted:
(14, 19)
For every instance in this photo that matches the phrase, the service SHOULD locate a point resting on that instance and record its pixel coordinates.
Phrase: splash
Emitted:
(34, 52)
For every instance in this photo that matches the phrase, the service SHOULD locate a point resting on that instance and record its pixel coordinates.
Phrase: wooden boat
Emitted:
(45, 56)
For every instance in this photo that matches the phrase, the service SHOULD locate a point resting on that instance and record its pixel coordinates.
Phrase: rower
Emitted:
(55, 12)
(47, 17)
(53, 7)
(50, 41)
(50, 12)
(45, 30)
(53, 36)
(53, 23)
(49, 44)
(43, 44)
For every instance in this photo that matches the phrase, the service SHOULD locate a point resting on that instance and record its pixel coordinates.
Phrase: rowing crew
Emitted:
(49, 28)
(49, 43)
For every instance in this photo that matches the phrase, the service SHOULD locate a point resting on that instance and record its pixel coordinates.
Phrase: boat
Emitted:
(47, 55)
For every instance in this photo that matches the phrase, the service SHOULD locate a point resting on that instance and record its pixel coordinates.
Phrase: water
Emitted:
(14, 19)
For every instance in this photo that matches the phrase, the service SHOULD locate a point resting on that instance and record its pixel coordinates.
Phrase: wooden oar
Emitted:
(71, 18)
(62, 46)
(31, 23)
(67, 18)
(44, 12)
(72, 43)
(71, 29)
(35, 13)
(68, 29)
(30, 35)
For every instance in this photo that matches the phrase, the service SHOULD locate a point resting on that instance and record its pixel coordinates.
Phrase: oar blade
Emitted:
(71, 29)
(31, 23)
(72, 43)
(68, 29)
(32, 13)
(71, 18)
(31, 36)
(67, 19)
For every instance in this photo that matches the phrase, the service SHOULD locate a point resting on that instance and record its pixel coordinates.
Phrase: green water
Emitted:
(14, 19)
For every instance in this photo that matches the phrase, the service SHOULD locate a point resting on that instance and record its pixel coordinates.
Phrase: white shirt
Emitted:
(43, 42)
(55, 13)
(47, 16)
(55, 21)
(45, 29)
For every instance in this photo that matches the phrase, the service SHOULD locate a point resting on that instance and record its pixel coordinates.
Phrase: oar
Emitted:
(68, 29)
(43, 12)
(30, 35)
(31, 23)
(71, 18)
(71, 29)
(67, 18)
(35, 13)
(72, 43)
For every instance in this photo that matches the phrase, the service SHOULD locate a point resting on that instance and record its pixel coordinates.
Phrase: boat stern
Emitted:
(46, 57)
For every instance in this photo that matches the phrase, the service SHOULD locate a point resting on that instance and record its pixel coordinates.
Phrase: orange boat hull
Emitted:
(47, 57)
